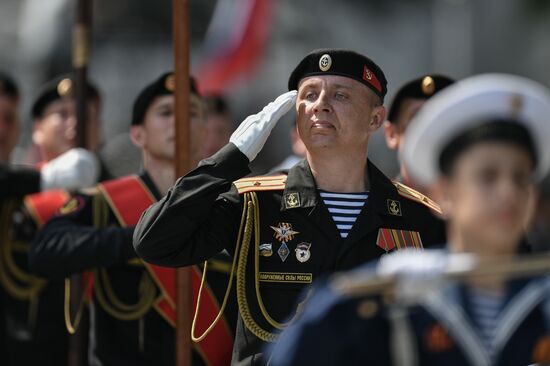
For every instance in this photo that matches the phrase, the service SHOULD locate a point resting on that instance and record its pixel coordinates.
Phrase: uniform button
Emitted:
(367, 309)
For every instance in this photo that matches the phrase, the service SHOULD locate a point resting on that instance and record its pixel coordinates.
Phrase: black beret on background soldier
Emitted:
(133, 311)
(406, 103)
(333, 211)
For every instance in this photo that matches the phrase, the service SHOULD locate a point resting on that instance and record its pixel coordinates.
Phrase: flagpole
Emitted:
(80, 56)
(180, 33)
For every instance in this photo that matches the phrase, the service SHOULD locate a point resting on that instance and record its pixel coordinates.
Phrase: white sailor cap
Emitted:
(469, 103)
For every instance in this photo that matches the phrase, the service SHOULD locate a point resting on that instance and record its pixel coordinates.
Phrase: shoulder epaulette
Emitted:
(267, 183)
(416, 196)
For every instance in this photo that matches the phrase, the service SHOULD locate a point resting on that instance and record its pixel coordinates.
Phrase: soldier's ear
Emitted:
(378, 116)
(391, 135)
(138, 136)
(37, 135)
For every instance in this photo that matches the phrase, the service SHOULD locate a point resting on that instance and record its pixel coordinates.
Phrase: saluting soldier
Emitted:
(32, 308)
(483, 142)
(333, 211)
(133, 307)
(407, 102)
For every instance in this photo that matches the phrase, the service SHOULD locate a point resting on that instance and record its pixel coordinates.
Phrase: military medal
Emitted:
(266, 250)
(302, 252)
(284, 232)
(283, 252)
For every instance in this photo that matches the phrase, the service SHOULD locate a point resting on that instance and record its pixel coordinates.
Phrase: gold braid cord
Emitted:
(69, 324)
(103, 289)
(250, 224)
(106, 297)
(225, 297)
(18, 284)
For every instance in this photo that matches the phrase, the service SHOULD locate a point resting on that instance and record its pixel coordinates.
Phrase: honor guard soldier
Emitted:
(333, 211)
(133, 307)
(408, 100)
(33, 322)
(483, 142)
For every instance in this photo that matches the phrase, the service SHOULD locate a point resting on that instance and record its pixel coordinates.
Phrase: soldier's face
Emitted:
(394, 131)
(55, 132)
(9, 127)
(218, 131)
(335, 112)
(487, 197)
(159, 132)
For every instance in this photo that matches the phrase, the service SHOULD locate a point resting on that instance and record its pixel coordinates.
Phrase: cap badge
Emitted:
(325, 62)
(283, 252)
(428, 85)
(266, 250)
(394, 208)
(64, 87)
(170, 83)
(516, 104)
(292, 200)
(284, 232)
(302, 252)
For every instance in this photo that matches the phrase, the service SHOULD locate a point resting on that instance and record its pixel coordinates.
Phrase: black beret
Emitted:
(342, 63)
(8, 86)
(164, 85)
(58, 88)
(421, 88)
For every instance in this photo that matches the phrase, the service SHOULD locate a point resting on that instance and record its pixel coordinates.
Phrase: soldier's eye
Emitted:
(310, 95)
(340, 96)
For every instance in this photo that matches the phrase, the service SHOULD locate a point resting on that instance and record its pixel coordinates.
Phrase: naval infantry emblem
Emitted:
(394, 208)
(284, 232)
(302, 252)
(292, 200)
(325, 62)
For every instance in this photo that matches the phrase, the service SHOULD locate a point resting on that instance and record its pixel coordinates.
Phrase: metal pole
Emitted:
(180, 30)
(80, 54)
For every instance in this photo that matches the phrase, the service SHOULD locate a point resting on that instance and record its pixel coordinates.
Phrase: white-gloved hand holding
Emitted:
(419, 272)
(77, 168)
(253, 132)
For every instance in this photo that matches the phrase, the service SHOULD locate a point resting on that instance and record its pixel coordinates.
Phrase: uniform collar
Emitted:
(146, 178)
(301, 191)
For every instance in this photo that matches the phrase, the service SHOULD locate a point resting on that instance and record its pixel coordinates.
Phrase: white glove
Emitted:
(419, 272)
(77, 168)
(253, 132)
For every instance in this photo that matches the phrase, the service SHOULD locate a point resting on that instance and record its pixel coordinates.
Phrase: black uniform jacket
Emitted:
(299, 241)
(70, 243)
(31, 309)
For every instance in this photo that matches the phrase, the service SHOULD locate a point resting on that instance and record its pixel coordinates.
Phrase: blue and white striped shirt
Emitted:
(344, 208)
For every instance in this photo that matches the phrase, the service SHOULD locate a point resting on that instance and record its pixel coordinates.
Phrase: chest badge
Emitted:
(292, 200)
(283, 252)
(284, 232)
(394, 208)
(266, 250)
(302, 252)
(437, 339)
